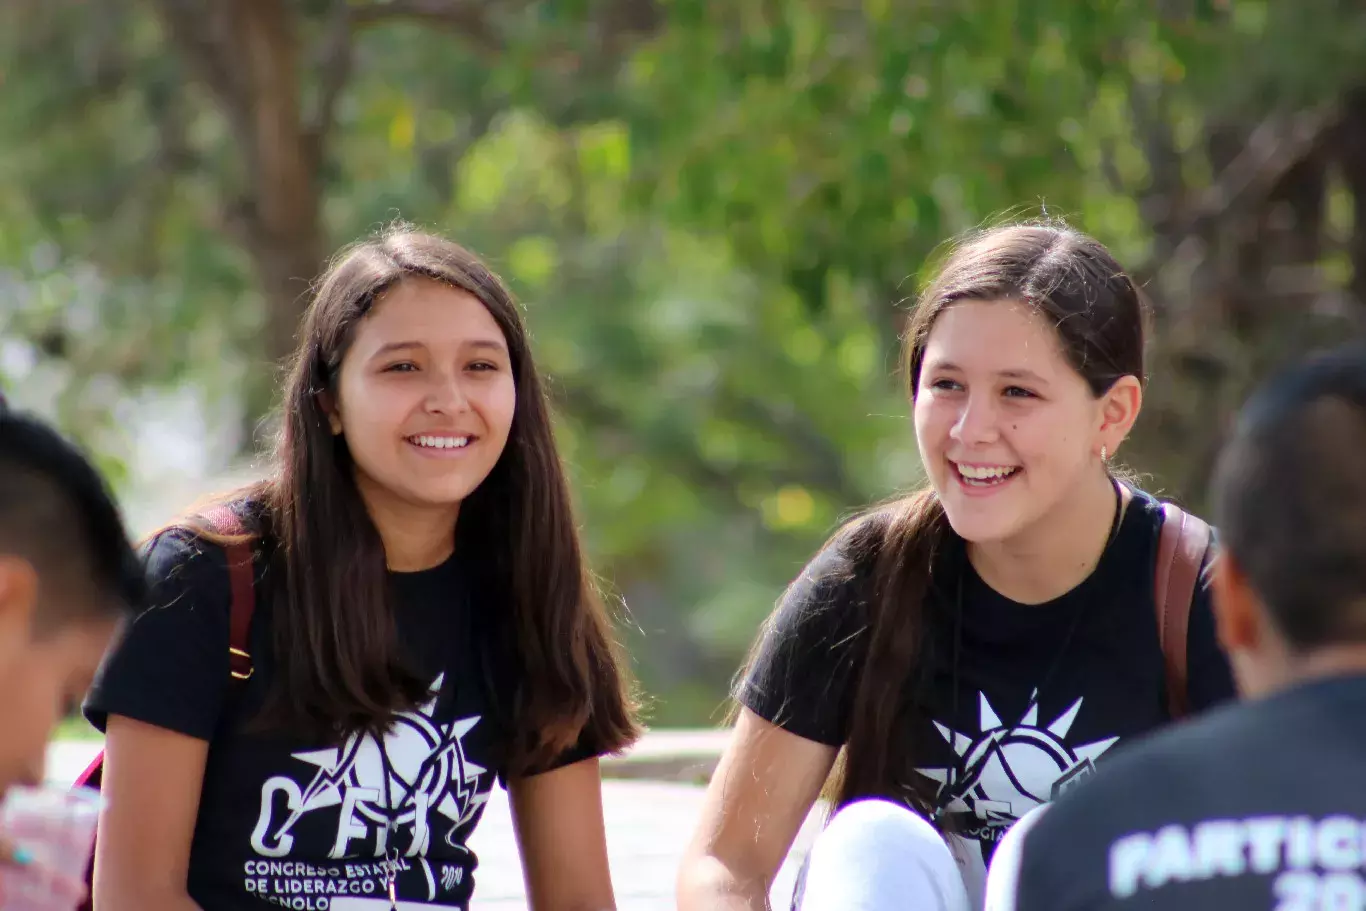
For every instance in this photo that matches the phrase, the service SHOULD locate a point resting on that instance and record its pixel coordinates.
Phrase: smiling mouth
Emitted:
(985, 475)
(433, 441)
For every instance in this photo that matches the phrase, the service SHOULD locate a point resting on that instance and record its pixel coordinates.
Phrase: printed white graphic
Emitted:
(385, 795)
(1007, 770)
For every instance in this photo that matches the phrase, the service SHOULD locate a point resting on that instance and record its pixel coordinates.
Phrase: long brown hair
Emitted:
(336, 653)
(1099, 316)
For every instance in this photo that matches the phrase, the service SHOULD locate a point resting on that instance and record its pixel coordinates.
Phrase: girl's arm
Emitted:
(557, 816)
(795, 700)
(158, 698)
(152, 780)
(758, 798)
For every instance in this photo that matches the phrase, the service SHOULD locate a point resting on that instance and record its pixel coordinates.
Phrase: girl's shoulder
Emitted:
(838, 578)
(193, 554)
(180, 554)
(1153, 508)
(171, 665)
(851, 553)
(1143, 502)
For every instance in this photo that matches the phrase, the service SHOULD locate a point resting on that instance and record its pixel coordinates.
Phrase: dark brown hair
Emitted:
(1099, 315)
(1289, 496)
(57, 512)
(541, 614)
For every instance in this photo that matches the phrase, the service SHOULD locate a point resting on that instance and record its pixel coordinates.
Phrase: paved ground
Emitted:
(648, 824)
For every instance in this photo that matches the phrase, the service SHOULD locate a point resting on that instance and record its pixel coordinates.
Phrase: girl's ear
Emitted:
(1119, 408)
(333, 412)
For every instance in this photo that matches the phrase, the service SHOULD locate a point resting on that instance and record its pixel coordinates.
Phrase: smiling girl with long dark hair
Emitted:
(424, 624)
(975, 647)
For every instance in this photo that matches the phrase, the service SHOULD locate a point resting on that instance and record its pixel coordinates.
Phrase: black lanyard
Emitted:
(947, 793)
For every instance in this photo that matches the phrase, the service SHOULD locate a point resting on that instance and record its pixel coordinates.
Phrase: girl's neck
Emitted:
(415, 537)
(1057, 553)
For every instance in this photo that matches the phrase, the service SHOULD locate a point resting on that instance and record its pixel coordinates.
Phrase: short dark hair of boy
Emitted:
(57, 513)
(1290, 498)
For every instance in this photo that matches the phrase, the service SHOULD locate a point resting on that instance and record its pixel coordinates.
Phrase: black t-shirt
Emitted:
(992, 747)
(1253, 807)
(290, 821)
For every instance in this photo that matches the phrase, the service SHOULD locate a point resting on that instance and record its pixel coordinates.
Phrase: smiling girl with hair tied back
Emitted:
(424, 625)
(971, 649)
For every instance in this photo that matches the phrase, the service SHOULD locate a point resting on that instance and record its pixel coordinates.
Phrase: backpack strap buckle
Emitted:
(240, 660)
(242, 578)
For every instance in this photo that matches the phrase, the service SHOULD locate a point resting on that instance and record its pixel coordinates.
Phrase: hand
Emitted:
(19, 865)
(12, 855)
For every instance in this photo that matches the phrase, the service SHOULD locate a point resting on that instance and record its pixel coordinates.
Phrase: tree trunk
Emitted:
(285, 235)
(246, 53)
(284, 273)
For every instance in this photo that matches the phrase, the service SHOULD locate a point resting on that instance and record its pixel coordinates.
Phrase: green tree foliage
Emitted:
(716, 214)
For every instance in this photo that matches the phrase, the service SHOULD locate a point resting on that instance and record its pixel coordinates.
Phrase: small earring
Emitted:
(1104, 453)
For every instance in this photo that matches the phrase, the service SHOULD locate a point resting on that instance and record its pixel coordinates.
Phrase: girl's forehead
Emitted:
(1000, 336)
(420, 312)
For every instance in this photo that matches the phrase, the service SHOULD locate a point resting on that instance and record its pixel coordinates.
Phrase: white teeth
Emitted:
(984, 472)
(432, 442)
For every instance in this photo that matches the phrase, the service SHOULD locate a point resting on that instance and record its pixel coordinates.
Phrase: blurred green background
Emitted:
(716, 214)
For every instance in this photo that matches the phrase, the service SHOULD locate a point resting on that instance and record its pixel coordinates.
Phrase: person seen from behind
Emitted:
(424, 625)
(69, 579)
(972, 649)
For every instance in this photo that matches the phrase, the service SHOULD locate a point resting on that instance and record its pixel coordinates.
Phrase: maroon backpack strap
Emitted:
(241, 577)
(1181, 549)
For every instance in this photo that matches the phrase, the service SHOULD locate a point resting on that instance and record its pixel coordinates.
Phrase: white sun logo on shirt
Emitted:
(419, 767)
(1007, 770)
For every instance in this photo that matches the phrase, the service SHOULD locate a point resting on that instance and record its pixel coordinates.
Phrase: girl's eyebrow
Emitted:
(480, 343)
(1010, 373)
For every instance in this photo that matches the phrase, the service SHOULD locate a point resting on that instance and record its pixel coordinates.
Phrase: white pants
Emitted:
(876, 855)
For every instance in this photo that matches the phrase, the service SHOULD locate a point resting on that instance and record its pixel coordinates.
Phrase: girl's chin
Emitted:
(975, 530)
(983, 520)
